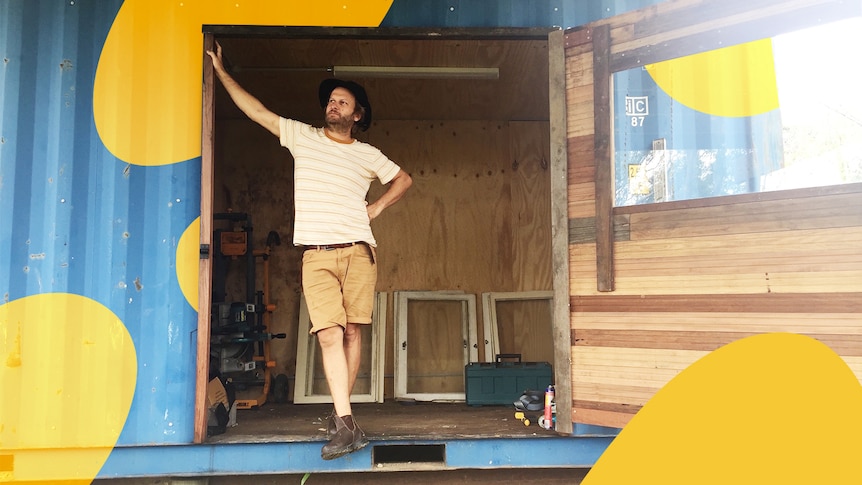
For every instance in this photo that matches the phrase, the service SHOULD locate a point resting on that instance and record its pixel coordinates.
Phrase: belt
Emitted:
(330, 247)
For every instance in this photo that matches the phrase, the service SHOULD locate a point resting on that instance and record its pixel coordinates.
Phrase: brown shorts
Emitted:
(339, 285)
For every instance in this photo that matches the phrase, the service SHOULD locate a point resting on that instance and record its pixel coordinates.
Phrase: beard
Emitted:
(337, 123)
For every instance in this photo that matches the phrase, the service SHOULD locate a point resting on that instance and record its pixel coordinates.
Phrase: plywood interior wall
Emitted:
(476, 220)
(692, 276)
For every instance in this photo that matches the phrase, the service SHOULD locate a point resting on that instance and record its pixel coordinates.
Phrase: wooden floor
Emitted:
(391, 420)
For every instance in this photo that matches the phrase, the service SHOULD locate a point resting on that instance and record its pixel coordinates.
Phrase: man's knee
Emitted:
(353, 332)
(331, 336)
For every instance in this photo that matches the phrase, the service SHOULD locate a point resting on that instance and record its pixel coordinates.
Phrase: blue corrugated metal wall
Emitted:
(505, 13)
(75, 219)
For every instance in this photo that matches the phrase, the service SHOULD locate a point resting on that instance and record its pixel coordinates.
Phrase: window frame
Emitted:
(620, 44)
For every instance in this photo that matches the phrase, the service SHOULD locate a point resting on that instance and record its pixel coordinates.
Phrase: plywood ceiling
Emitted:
(284, 74)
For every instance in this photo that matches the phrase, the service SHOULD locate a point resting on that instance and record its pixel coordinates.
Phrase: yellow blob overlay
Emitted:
(67, 376)
(147, 94)
(772, 408)
(188, 252)
(734, 81)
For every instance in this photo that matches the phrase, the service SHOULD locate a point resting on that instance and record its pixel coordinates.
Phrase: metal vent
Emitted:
(409, 456)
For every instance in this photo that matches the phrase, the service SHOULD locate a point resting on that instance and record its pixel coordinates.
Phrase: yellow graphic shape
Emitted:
(772, 408)
(67, 376)
(734, 81)
(147, 93)
(188, 257)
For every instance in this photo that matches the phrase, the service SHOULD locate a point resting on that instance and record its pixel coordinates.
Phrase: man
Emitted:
(333, 172)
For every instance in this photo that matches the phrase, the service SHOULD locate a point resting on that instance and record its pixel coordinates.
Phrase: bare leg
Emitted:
(353, 352)
(335, 366)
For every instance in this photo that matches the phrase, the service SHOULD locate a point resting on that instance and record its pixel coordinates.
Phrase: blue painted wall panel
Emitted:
(78, 220)
(304, 457)
(505, 13)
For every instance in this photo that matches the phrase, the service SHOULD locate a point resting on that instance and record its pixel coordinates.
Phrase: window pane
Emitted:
(773, 114)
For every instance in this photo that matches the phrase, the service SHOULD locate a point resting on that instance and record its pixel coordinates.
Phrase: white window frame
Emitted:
(489, 315)
(468, 335)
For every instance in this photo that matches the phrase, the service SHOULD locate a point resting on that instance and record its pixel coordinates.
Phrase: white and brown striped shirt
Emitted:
(331, 181)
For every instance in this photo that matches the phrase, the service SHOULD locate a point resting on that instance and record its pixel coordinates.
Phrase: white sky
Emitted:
(819, 67)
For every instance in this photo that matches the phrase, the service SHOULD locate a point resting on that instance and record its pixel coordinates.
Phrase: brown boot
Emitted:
(348, 438)
(330, 425)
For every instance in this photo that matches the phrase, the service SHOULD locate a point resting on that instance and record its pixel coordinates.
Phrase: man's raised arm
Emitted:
(247, 103)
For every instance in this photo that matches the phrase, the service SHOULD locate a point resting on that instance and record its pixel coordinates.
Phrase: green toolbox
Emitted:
(503, 382)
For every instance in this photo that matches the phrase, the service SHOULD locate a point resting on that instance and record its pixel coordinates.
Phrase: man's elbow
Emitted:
(405, 180)
(408, 181)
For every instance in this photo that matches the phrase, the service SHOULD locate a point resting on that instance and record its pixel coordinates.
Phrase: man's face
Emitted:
(340, 112)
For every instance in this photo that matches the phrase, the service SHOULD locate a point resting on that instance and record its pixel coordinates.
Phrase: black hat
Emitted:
(328, 85)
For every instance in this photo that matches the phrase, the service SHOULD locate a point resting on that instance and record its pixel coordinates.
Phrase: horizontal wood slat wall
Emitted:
(691, 276)
(692, 290)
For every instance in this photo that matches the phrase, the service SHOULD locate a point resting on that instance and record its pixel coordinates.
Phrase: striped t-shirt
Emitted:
(331, 181)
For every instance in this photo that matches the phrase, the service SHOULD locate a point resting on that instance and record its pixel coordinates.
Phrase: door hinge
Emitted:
(205, 251)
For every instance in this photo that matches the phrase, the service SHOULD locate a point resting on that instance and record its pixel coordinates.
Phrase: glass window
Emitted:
(773, 114)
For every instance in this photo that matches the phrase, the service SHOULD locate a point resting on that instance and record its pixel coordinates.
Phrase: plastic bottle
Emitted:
(549, 408)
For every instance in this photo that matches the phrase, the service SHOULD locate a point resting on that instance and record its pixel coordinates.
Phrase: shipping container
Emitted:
(618, 189)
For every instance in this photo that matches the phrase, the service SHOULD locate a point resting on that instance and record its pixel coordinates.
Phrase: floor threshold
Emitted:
(397, 455)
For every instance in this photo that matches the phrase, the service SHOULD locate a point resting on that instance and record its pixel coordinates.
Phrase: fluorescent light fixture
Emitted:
(417, 72)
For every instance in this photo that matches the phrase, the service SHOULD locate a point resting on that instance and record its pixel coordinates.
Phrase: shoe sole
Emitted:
(350, 449)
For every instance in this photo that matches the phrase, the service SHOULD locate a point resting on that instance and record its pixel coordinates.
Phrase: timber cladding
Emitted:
(688, 281)
(653, 288)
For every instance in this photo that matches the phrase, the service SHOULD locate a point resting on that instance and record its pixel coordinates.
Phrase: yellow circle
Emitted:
(734, 81)
(147, 93)
(67, 373)
(188, 258)
(772, 408)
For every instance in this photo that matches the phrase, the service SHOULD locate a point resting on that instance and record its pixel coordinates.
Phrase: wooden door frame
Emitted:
(558, 166)
(206, 223)
(558, 169)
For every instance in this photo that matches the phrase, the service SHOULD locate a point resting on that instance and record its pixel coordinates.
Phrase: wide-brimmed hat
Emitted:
(355, 89)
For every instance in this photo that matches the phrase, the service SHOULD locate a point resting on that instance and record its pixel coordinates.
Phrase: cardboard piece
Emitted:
(216, 393)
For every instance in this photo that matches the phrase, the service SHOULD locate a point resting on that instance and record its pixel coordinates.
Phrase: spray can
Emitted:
(549, 408)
